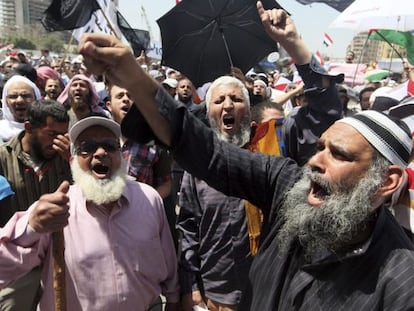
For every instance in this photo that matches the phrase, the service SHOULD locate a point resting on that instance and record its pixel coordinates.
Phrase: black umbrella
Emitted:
(204, 38)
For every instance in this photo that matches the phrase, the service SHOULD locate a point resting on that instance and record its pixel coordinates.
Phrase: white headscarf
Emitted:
(8, 126)
(7, 114)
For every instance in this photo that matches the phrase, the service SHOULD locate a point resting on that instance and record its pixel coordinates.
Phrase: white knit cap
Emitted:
(389, 137)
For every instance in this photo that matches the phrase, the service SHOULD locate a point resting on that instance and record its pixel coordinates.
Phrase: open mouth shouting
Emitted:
(228, 122)
(125, 109)
(319, 191)
(101, 171)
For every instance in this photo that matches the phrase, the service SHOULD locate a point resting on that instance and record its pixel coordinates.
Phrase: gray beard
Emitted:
(99, 191)
(333, 225)
(240, 139)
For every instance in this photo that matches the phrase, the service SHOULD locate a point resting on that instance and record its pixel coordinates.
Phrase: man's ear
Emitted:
(108, 105)
(28, 126)
(393, 181)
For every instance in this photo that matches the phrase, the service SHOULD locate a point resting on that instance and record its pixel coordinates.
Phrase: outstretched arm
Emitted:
(106, 55)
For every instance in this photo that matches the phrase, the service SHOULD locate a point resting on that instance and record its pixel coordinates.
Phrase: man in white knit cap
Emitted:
(330, 241)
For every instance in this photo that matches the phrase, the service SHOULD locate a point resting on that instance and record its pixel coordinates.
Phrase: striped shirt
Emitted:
(25, 179)
(215, 253)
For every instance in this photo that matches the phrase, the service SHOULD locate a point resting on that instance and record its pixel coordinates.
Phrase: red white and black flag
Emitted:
(319, 57)
(327, 40)
(68, 14)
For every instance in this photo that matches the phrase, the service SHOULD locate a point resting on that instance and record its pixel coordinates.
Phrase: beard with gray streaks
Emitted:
(240, 139)
(100, 191)
(345, 213)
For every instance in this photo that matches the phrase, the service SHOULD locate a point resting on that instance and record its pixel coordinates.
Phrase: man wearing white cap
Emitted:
(260, 88)
(170, 85)
(118, 248)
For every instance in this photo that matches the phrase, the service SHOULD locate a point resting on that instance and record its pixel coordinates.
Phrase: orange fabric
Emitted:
(265, 140)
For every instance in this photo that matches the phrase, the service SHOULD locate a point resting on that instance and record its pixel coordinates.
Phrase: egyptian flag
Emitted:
(327, 40)
(68, 14)
(319, 57)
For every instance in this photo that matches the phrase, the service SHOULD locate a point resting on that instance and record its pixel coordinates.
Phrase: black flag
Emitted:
(138, 39)
(339, 5)
(68, 14)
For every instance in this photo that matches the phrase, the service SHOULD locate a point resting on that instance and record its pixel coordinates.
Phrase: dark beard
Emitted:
(333, 226)
(184, 100)
(36, 150)
(81, 106)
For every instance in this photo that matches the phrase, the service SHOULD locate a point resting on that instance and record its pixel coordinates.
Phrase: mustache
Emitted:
(325, 186)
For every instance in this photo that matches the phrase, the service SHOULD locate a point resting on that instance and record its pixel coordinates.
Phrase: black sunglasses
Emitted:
(88, 147)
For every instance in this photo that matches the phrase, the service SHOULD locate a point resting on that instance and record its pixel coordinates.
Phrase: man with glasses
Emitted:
(18, 94)
(110, 223)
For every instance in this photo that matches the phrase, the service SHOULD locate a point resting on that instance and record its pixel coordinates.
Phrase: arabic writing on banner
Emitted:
(154, 50)
(99, 23)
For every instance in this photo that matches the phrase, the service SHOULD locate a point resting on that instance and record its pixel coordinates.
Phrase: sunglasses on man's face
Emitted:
(88, 147)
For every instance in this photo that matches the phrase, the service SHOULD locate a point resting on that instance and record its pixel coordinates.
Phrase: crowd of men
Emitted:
(252, 192)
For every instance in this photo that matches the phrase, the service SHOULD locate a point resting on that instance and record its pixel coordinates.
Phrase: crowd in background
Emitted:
(280, 106)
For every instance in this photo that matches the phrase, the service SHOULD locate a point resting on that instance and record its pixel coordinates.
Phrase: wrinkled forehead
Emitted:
(79, 82)
(19, 86)
(346, 137)
(184, 82)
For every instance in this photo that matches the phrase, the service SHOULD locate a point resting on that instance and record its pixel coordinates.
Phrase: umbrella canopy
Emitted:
(204, 38)
(376, 75)
(364, 15)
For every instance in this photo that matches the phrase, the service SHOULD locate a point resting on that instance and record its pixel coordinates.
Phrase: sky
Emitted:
(312, 22)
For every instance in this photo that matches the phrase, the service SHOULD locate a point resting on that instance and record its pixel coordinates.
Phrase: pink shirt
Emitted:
(118, 260)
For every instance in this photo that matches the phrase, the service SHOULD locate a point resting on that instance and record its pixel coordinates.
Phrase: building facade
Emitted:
(367, 51)
(15, 15)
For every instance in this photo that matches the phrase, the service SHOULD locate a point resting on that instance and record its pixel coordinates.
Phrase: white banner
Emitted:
(155, 50)
(98, 23)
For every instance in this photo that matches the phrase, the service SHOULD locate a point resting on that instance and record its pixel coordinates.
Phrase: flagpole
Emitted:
(59, 278)
(359, 61)
(65, 53)
(111, 26)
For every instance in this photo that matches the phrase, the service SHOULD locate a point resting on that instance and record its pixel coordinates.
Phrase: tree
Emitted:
(23, 43)
(53, 42)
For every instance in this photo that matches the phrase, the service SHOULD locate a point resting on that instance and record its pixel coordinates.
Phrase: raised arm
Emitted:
(281, 28)
(106, 55)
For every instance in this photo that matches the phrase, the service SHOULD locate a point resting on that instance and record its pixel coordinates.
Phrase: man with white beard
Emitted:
(119, 253)
(358, 260)
(215, 254)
